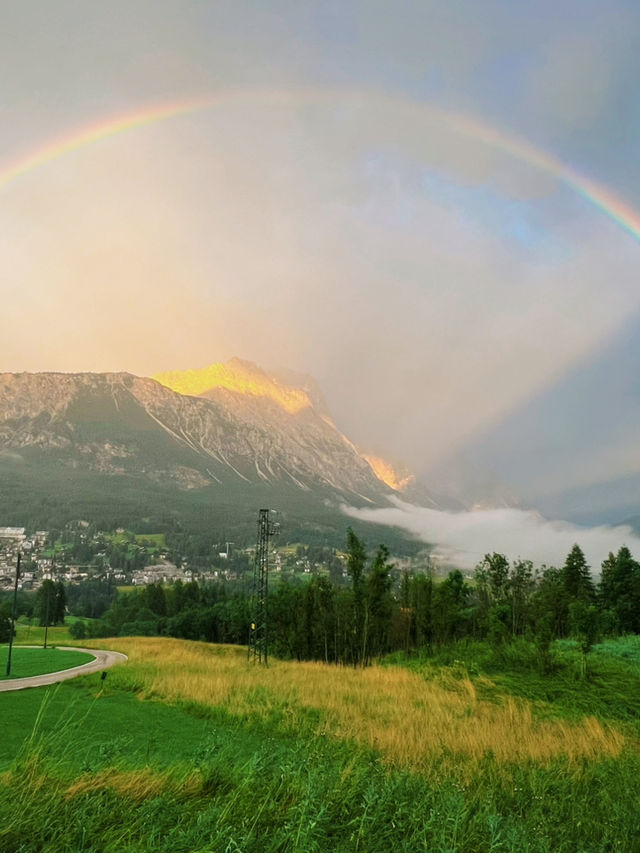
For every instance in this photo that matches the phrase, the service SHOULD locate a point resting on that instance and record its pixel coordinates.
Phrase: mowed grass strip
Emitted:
(26, 662)
(413, 722)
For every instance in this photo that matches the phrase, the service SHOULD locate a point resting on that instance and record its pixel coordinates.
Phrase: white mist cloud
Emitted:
(463, 538)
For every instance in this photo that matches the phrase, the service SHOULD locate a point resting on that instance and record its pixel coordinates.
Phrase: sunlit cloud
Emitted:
(321, 224)
(411, 218)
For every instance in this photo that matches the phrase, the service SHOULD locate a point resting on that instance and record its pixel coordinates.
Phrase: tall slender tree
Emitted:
(576, 577)
(356, 561)
(378, 605)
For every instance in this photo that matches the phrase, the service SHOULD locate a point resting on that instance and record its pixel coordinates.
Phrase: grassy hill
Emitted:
(223, 756)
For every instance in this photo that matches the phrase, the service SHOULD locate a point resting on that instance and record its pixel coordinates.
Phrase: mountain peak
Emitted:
(395, 477)
(291, 391)
(238, 376)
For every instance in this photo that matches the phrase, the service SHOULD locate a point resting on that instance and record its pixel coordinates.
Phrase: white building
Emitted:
(14, 534)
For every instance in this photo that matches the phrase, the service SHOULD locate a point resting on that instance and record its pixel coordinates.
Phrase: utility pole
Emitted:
(13, 615)
(46, 604)
(258, 642)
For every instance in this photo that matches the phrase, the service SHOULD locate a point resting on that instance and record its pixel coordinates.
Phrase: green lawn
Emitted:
(29, 633)
(26, 662)
(106, 725)
(157, 540)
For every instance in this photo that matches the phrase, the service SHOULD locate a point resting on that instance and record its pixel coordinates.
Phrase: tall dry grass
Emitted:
(412, 721)
(136, 784)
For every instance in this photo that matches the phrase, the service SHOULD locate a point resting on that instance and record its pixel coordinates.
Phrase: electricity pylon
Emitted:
(258, 643)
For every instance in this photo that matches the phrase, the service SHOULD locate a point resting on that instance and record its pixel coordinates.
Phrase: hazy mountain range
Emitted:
(230, 435)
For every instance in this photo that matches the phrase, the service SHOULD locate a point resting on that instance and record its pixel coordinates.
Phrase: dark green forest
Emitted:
(42, 493)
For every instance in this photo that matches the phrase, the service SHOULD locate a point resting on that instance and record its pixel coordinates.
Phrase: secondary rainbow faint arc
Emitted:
(604, 199)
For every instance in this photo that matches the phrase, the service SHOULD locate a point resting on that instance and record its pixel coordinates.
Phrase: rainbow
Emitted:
(604, 199)
(103, 129)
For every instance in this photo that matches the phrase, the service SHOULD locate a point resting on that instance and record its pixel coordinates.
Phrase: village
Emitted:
(123, 559)
(42, 560)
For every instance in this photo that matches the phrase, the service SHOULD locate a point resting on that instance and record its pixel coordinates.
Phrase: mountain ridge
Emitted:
(102, 443)
(83, 412)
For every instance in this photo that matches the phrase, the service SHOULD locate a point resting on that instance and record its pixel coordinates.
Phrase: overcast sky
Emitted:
(326, 214)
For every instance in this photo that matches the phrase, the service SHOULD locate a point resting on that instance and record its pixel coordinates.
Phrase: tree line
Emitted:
(380, 610)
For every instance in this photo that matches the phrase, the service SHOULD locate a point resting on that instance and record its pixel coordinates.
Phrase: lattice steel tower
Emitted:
(258, 633)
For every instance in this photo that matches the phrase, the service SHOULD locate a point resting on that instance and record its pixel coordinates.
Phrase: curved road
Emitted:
(102, 660)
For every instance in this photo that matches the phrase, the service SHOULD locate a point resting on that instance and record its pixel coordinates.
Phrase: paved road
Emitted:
(102, 660)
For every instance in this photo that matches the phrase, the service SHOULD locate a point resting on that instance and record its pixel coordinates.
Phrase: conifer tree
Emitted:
(576, 577)
(46, 603)
(620, 590)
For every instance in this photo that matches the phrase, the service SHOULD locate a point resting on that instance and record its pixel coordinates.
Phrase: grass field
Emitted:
(29, 633)
(414, 722)
(157, 540)
(189, 748)
(612, 691)
(26, 662)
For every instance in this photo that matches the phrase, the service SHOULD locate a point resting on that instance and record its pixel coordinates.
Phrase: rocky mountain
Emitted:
(230, 437)
(124, 424)
(209, 446)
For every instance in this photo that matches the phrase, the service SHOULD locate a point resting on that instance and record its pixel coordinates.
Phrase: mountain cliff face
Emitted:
(197, 449)
(228, 423)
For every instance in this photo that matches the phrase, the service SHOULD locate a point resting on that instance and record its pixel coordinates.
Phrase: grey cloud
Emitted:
(579, 74)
